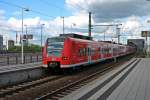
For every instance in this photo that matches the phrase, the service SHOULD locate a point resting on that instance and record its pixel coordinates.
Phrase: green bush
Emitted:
(32, 48)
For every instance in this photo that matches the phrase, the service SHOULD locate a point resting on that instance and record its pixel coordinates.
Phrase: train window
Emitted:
(87, 51)
(106, 50)
(81, 51)
(110, 51)
(84, 51)
(79, 54)
(101, 50)
(91, 51)
(54, 47)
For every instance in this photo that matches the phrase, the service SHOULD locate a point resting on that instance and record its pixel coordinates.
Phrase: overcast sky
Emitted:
(133, 14)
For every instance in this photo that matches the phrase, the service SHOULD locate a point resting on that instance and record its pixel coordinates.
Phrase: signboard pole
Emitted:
(146, 34)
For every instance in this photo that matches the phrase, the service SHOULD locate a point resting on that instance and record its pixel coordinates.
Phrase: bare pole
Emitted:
(118, 34)
(90, 26)
(63, 25)
(104, 36)
(42, 34)
(16, 37)
(22, 39)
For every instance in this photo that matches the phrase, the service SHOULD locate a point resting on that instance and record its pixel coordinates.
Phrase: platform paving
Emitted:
(134, 86)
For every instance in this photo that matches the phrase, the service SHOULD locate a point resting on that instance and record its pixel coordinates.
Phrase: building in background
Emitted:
(1, 42)
(10, 43)
(138, 43)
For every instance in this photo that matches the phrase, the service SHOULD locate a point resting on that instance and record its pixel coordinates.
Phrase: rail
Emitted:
(10, 90)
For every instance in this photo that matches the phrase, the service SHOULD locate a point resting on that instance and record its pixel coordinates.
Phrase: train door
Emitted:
(89, 54)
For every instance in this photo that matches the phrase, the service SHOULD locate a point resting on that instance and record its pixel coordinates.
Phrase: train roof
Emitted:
(76, 36)
(88, 41)
(81, 38)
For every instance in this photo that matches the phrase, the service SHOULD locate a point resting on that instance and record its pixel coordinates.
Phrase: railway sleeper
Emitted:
(60, 95)
(68, 90)
(64, 93)
(54, 98)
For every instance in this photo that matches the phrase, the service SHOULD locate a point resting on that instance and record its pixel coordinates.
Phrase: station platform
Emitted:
(133, 83)
(14, 74)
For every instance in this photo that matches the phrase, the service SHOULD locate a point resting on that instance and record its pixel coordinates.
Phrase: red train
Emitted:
(69, 51)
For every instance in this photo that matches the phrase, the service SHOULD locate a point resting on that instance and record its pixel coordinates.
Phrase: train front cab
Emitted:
(52, 53)
(58, 53)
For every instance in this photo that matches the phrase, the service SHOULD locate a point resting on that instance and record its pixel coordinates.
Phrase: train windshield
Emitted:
(55, 46)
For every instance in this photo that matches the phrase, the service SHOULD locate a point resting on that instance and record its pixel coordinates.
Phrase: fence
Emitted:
(9, 59)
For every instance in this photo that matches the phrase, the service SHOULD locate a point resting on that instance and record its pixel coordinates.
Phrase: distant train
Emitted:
(70, 51)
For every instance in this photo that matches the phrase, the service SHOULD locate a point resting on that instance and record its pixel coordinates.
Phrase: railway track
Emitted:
(24, 86)
(8, 93)
(61, 92)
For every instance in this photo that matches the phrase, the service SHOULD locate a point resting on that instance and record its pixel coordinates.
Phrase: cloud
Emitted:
(129, 12)
(132, 23)
(17, 23)
(106, 10)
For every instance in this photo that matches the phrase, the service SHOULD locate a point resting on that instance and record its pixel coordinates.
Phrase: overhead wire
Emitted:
(48, 3)
(34, 11)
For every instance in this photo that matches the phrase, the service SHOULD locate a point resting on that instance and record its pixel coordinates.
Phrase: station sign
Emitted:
(28, 36)
(145, 33)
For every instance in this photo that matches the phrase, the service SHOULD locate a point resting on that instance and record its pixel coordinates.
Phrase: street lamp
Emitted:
(63, 25)
(42, 34)
(23, 9)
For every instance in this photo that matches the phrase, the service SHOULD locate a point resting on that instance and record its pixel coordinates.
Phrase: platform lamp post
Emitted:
(22, 51)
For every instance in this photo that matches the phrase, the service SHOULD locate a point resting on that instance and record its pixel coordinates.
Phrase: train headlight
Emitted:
(64, 58)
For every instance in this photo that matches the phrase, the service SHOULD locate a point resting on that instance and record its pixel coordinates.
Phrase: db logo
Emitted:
(53, 59)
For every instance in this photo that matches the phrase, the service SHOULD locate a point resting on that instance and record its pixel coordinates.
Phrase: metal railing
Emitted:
(11, 59)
